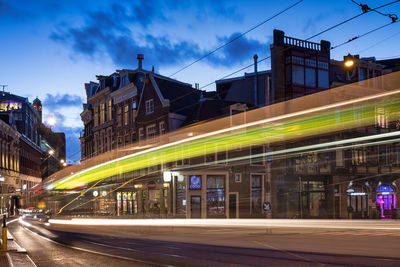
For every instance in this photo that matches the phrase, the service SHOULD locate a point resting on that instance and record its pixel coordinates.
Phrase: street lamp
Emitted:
(51, 121)
(51, 152)
(349, 61)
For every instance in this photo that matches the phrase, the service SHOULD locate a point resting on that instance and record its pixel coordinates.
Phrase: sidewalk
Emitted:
(15, 256)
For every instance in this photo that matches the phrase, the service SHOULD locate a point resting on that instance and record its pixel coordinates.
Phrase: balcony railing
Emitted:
(301, 43)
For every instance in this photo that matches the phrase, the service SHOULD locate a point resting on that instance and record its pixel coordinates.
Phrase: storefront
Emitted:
(357, 202)
(386, 201)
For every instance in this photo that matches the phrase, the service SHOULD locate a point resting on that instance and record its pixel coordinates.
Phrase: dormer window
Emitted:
(115, 78)
(124, 80)
(149, 106)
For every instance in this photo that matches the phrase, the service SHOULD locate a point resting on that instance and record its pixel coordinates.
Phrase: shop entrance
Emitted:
(195, 207)
(386, 201)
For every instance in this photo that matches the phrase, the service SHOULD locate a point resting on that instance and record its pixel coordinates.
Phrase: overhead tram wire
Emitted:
(362, 35)
(236, 38)
(381, 41)
(349, 19)
(393, 17)
(263, 59)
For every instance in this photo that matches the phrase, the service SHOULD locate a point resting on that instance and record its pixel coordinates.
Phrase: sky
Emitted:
(49, 49)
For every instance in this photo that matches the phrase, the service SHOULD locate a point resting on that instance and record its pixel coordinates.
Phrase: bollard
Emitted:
(4, 231)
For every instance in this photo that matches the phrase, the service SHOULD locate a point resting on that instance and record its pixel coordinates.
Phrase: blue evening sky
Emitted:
(50, 48)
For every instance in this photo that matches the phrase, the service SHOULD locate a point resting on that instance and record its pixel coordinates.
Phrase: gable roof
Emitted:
(181, 96)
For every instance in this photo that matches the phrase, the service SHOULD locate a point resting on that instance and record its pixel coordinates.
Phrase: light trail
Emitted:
(237, 223)
(196, 145)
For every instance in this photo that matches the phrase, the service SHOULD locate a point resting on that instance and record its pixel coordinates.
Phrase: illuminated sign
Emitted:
(195, 182)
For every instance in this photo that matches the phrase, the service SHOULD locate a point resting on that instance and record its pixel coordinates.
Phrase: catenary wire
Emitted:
(362, 35)
(349, 19)
(263, 59)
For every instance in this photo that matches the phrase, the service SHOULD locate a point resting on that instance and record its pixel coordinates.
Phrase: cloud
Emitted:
(61, 100)
(239, 51)
(120, 32)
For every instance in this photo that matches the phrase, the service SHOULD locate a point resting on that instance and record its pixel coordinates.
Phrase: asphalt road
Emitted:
(205, 246)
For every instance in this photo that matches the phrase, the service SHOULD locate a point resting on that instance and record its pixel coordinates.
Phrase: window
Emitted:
(151, 131)
(102, 113)
(133, 111)
(119, 117)
(109, 110)
(126, 115)
(380, 118)
(124, 80)
(119, 141)
(126, 139)
(323, 79)
(162, 127)
(257, 157)
(215, 195)
(133, 137)
(141, 134)
(238, 177)
(96, 116)
(311, 77)
(256, 182)
(359, 156)
(298, 75)
(221, 154)
(149, 106)
(180, 181)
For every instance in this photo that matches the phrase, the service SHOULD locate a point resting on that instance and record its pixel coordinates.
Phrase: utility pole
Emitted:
(4, 86)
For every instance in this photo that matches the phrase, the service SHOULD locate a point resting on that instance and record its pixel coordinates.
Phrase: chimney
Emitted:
(255, 63)
(255, 81)
(197, 86)
(140, 58)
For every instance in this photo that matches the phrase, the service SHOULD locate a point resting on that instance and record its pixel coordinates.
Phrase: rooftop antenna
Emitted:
(4, 86)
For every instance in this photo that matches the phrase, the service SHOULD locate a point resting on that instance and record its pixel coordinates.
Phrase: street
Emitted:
(68, 245)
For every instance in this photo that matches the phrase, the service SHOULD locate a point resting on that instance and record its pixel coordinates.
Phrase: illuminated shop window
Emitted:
(215, 195)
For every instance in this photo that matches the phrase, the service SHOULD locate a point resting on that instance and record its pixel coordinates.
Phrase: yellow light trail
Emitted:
(290, 126)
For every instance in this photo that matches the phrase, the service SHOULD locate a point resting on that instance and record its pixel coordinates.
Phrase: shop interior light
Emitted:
(138, 186)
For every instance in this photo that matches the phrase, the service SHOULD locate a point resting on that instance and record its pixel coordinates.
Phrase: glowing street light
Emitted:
(51, 120)
(65, 164)
(349, 61)
(62, 161)
(51, 152)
